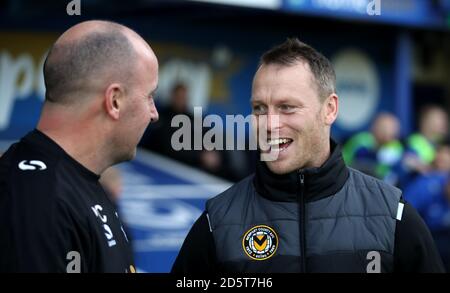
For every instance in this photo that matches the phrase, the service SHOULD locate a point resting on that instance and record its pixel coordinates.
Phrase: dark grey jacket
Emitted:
(327, 219)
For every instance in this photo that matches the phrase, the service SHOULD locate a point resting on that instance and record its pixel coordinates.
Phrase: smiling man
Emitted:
(305, 210)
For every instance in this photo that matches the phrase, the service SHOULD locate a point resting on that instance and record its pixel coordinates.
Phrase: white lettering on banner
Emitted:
(371, 8)
(21, 77)
(349, 5)
(11, 72)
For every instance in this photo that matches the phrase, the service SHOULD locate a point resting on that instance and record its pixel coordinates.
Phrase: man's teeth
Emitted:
(278, 141)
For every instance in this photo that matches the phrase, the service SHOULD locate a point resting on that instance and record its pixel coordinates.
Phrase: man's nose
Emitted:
(154, 115)
(273, 122)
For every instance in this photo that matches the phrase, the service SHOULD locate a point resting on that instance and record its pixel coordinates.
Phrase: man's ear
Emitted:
(331, 105)
(114, 94)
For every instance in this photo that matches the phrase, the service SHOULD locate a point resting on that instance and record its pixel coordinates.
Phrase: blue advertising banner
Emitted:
(218, 77)
(415, 13)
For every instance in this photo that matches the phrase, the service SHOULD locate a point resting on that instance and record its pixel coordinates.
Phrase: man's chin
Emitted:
(279, 168)
(126, 157)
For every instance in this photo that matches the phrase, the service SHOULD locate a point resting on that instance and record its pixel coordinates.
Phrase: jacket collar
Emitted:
(319, 182)
(42, 142)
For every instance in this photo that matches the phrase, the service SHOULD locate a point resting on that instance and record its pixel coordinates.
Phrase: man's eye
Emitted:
(286, 108)
(258, 110)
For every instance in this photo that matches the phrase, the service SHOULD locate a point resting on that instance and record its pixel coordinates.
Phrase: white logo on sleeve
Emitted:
(32, 165)
(108, 232)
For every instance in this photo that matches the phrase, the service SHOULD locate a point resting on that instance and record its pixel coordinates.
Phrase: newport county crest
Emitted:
(260, 242)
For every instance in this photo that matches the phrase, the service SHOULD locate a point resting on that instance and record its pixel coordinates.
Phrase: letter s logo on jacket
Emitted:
(32, 165)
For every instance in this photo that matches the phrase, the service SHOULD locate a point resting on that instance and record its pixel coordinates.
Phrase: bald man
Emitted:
(54, 215)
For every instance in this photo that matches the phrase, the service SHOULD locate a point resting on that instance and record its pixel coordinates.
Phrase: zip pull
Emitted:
(301, 180)
(302, 177)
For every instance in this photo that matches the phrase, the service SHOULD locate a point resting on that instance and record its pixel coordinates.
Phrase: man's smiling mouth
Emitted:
(279, 144)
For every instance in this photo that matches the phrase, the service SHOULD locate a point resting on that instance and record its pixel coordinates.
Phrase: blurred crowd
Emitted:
(232, 165)
(418, 163)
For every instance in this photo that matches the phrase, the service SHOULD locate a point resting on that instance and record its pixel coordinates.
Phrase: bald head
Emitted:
(87, 56)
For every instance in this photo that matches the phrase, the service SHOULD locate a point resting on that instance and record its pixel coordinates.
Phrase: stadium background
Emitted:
(396, 61)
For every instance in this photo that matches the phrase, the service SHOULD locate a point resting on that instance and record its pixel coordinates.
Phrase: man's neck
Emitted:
(78, 139)
(321, 156)
(80, 148)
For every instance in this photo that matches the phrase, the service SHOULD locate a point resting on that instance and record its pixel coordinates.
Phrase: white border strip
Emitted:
(400, 211)
(209, 222)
